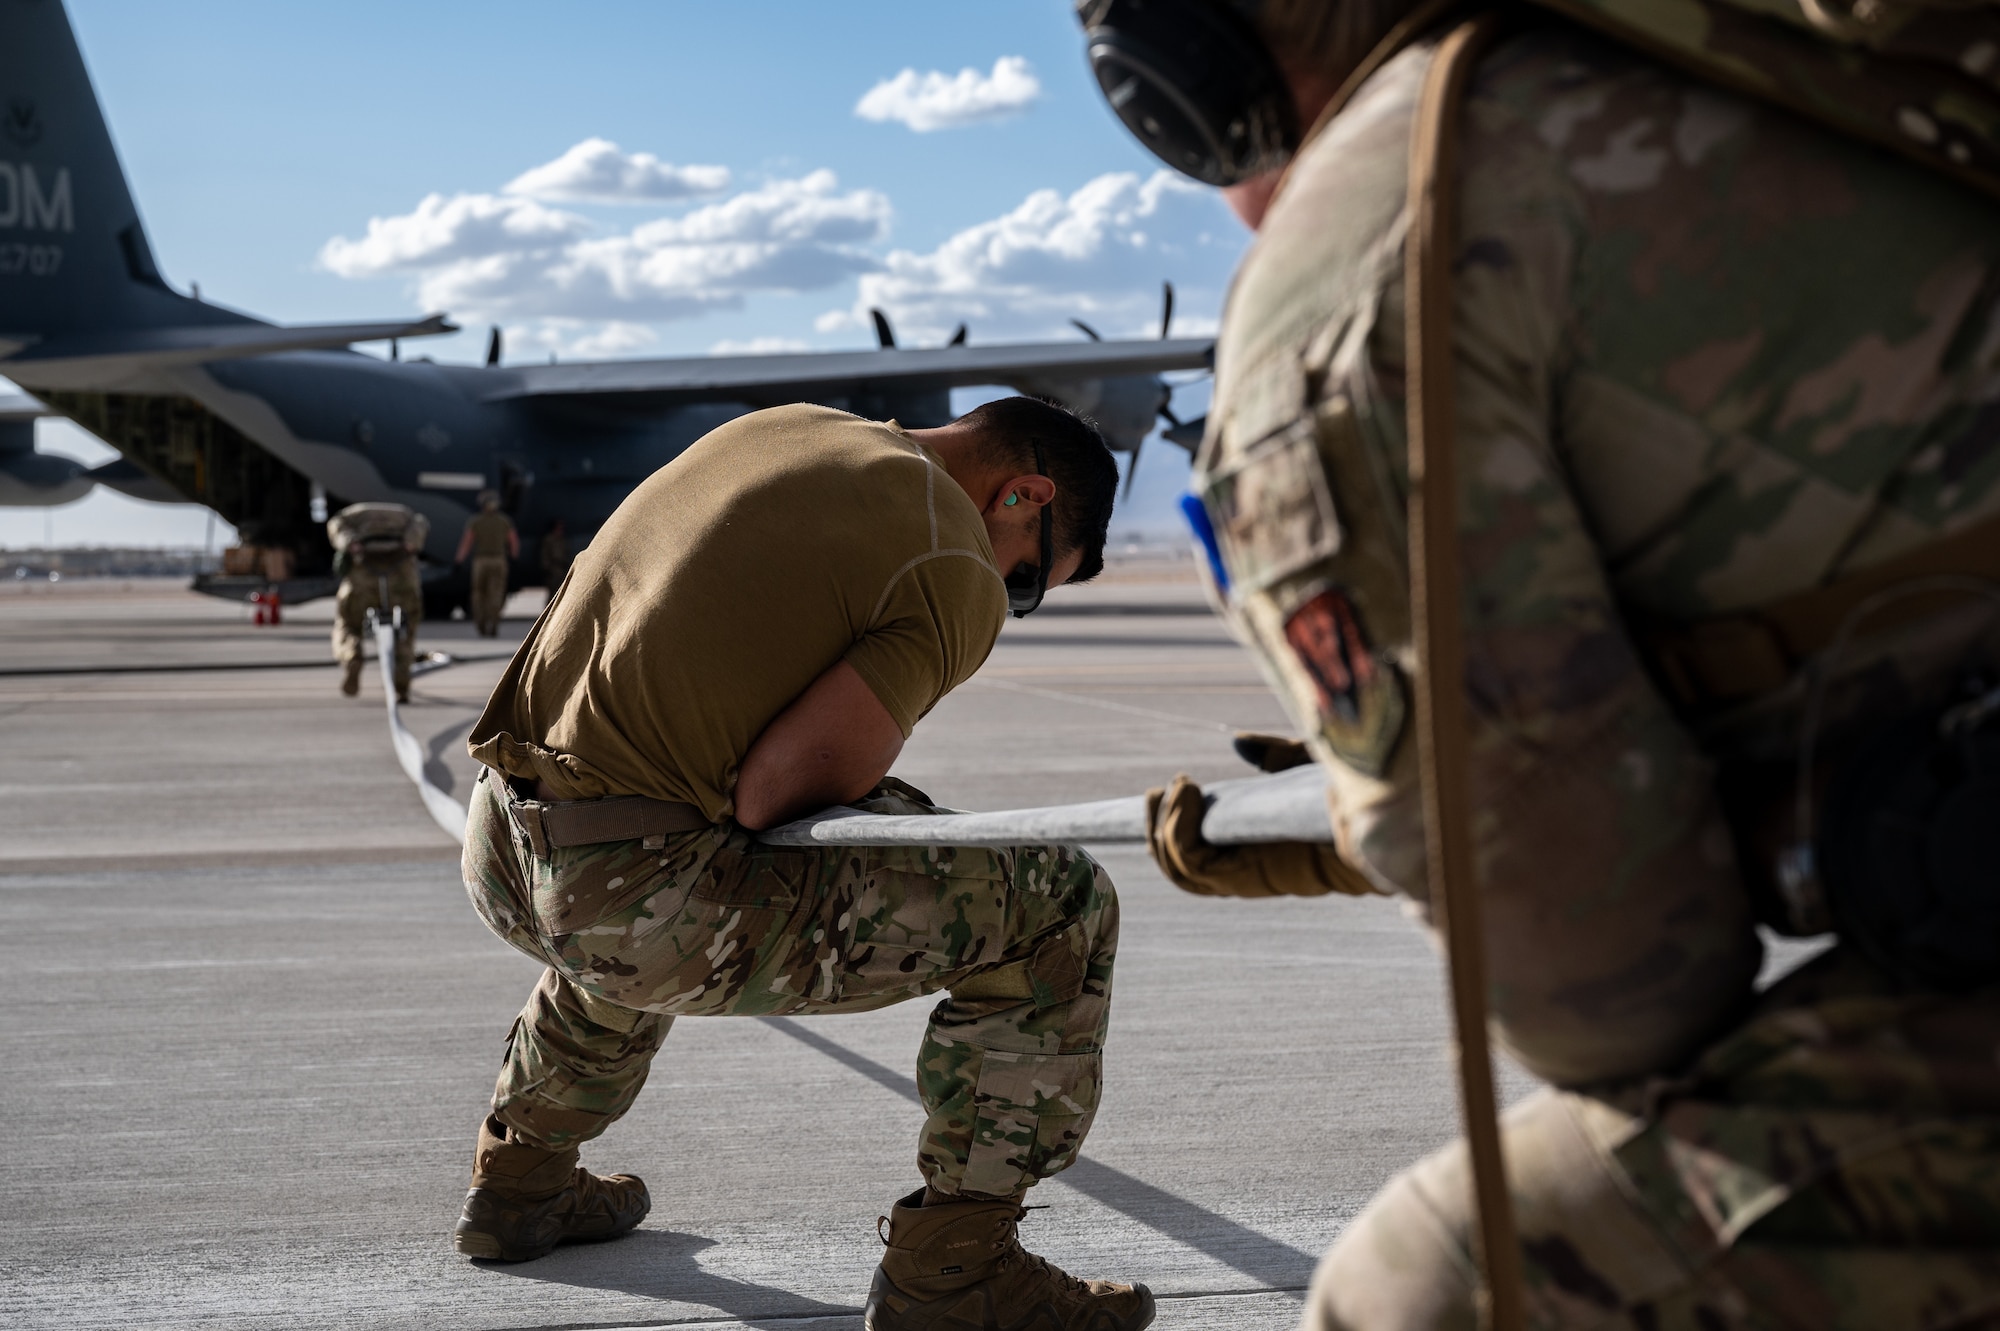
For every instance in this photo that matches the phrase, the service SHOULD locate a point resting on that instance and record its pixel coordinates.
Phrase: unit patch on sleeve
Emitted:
(1359, 696)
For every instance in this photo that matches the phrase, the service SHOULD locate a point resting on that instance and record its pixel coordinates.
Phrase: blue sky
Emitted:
(371, 160)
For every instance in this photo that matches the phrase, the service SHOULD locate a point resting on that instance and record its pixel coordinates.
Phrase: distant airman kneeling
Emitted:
(375, 555)
(492, 542)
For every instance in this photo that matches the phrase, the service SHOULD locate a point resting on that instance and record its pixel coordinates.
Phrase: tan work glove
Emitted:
(1271, 753)
(1268, 869)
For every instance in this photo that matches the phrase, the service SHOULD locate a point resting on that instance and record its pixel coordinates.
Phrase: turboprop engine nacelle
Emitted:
(29, 479)
(1126, 408)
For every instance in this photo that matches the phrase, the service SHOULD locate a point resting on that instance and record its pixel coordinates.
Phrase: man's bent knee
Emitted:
(1401, 1265)
(575, 1062)
(1406, 1264)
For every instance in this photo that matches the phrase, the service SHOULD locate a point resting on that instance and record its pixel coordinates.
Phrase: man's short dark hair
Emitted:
(1078, 461)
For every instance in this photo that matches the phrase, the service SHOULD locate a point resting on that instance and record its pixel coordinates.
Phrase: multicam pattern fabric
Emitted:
(713, 923)
(1832, 1165)
(1707, 355)
(362, 586)
(1920, 77)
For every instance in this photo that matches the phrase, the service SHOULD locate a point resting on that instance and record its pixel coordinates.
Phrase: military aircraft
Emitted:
(272, 426)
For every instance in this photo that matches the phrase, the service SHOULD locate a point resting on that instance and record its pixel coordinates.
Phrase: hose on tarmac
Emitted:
(1290, 806)
(447, 812)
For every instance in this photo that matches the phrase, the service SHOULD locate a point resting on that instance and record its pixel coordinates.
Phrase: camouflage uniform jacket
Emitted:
(1708, 356)
(1921, 77)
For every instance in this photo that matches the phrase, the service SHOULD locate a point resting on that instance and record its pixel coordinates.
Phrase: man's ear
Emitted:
(1029, 492)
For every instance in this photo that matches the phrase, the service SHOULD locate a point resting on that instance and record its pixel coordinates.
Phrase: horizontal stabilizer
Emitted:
(785, 377)
(44, 361)
(21, 407)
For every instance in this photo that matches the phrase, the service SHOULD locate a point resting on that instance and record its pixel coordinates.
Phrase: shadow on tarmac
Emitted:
(660, 1264)
(1276, 1266)
(435, 766)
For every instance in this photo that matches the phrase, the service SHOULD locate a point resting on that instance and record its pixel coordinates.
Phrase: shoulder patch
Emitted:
(1359, 695)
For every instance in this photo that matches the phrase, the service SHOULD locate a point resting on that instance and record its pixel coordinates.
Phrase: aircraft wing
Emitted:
(784, 377)
(54, 361)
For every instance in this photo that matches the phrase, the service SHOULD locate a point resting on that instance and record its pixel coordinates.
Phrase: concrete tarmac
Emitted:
(253, 1021)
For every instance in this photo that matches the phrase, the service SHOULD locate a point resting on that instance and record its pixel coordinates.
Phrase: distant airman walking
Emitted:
(375, 555)
(492, 542)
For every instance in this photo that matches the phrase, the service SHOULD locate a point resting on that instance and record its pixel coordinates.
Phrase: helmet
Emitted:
(1194, 82)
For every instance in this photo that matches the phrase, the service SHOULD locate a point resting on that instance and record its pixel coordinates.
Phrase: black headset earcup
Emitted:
(1194, 83)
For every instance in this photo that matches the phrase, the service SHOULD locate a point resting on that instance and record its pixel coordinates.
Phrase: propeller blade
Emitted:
(493, 346)
(957, 337)
(1187, 436)
(1166, 308)
(1088, 331)
(885, 336)
(1132, 472)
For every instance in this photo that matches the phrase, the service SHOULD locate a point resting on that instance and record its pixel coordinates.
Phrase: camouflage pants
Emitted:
(361, 591)
(1831, 1164)
(715, 924)
(489, 592)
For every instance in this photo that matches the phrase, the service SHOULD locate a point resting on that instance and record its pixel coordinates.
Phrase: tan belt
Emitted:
(556, 824)
(1730, 657)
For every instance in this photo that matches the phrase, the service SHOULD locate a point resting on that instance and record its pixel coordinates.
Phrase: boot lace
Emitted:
(1035, 1263)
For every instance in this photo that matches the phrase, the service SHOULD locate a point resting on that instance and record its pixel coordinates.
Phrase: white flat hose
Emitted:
(447, 812)
(1290, 806)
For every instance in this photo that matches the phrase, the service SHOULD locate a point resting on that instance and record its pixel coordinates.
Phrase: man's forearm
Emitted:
(833, 744)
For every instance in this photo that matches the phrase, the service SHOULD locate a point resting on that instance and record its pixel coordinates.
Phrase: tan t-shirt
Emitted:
(489, 534)
(731, 579)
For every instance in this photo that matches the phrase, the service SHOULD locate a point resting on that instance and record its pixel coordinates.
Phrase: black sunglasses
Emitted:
(1027, 587)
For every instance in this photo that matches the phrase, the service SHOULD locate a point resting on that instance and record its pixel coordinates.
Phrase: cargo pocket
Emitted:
(579, 885)
(1053, 974)
(1272, 509)
(1029, 1116)
(748, 874)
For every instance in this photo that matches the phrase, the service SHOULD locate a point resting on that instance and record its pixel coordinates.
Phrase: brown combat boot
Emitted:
(350, 680)
(960, 1266)
(525, 1200)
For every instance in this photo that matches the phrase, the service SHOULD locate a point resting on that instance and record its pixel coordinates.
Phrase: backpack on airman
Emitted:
(377, 532)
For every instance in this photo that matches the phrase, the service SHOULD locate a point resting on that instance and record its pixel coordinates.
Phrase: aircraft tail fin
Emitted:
(73, 253)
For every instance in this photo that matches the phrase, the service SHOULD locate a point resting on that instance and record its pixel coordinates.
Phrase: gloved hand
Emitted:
(1271, 753)
(1268, 869)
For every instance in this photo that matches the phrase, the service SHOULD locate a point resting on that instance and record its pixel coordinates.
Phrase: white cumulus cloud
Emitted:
(440, 230)
(1098, 254)
(936, 100)
(505, 257)
(758, 346)
(563, 282)
(590, 340)
(597, 171)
